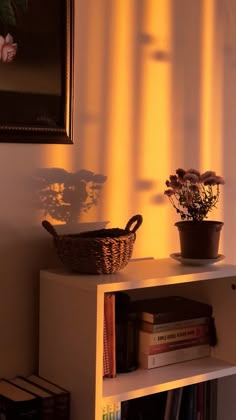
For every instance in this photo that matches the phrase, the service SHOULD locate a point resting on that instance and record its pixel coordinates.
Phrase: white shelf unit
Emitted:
(71, 330)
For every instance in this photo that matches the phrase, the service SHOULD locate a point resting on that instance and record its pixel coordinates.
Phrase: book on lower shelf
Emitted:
(150, 407)
(46, 403)
(105, 412)
(192, 402)
(173, 404)
(118, 411)
(61, 395)
(188, 409)
(17, 404)
(111, 411)
(53, 401)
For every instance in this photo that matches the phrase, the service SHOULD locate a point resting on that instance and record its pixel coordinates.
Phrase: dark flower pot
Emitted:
(199, 239)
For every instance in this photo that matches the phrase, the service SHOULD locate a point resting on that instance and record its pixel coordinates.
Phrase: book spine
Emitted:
(106, 364)
(25, 410)
(190, 407)
(47, 408)
(200, 400)
(180, 355)
(175, 403)
(109, 317)
(179, 400)
(206, 401)
(170, 336)
(62, 406)
(155, 328)
(104, 412)
(111, 411)
(161, 318)
(169, 402)
(25, 415)
(165, 347)
(195, 408)
(213, 399)
(61, 402)
(118, 411)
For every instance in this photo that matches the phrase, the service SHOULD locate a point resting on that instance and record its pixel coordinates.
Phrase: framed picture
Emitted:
(36, 66)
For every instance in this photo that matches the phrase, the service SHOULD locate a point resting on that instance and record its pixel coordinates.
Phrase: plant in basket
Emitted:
(194, 195)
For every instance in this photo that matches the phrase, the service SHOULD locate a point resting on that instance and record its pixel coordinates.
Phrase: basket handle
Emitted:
(50, 229)
(138, 219)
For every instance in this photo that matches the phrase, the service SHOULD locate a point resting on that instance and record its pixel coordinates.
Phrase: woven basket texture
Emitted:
(103, 251)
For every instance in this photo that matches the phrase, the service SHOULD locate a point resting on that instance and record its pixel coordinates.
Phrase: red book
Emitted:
(165, 347)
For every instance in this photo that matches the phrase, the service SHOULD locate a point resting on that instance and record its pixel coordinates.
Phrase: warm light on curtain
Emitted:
(211, 93)
(118, 153)
(148, 90)
(155, 123)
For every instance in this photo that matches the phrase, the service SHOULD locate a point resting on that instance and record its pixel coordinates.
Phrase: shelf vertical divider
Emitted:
(71, 341)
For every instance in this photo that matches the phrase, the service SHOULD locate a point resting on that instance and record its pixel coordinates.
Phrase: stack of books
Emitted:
(33, 398)
(173, 329)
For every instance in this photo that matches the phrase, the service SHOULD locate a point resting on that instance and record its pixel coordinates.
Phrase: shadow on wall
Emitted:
(65, 195)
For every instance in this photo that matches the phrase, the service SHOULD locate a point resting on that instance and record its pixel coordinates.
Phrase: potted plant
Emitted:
(194, 195)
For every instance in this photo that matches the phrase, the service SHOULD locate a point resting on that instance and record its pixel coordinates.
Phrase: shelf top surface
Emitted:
(143, 273)
(144, 382)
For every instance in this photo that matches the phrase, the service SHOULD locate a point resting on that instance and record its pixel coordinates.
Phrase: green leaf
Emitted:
(7, 15)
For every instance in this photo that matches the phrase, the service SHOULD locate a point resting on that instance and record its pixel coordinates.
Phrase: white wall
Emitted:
(141, 85)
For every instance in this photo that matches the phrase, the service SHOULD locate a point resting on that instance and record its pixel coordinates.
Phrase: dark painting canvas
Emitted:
(35, 42)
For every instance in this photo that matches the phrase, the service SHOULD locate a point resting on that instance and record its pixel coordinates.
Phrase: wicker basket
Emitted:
(103, 251)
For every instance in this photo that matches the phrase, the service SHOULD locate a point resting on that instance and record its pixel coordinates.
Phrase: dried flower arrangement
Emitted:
(192, 194)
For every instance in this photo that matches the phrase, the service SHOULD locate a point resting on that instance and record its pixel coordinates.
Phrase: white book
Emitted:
(181, 355)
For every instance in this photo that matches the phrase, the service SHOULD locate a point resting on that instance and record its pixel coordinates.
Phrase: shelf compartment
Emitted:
(145, 382)
(71, 331)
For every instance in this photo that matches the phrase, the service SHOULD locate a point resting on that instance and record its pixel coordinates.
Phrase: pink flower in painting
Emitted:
(7, 49)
